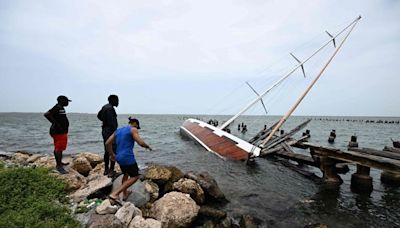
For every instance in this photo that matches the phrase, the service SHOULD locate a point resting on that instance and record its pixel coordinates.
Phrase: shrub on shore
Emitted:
(31, 197)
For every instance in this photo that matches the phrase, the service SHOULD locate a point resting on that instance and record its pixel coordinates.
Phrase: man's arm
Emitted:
(109, 146)
(136, 137)
(110, 118)
(49, 116)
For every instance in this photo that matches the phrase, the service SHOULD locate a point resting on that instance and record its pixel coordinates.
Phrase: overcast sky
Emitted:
(194, 57)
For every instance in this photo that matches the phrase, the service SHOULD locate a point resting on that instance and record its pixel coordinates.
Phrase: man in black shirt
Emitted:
(108, 116)
(59, 130)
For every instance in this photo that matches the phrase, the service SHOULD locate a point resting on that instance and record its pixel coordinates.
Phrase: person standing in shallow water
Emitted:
(59, 130)
(108, 116)
(125, 139)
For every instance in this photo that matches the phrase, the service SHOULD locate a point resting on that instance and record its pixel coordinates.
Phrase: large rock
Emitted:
(139, 195)
(175, 209)
(208, 184)
(46, 161)
(158, 174)
(97, 170)
(152, 188)
(33, 158)
(106, 208)
(73, 179)
(212, 213)
(247, 221)
(93, 159)
(21, 158)
(140, 222)
(127, 212)
(190, 187)
(104, 221)
(82, 165)
(95, 184)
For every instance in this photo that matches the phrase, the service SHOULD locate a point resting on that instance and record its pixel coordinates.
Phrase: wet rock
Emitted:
(104, 221)
(139, 195)
(208, 184)
(212, 213)
(95, 184)
(127, 212)
(158, 174)
(33, 158)
(73, 179)
(152, 189)
(93, 159)
(210, 224)
(176, 173)
(82, 165)
(190, 187)
(106, 208)
(140, 222)
(175, 209)
(247, 221)
(315, 225)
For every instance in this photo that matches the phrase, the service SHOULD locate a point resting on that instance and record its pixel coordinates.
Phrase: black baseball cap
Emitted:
(134, 120)
(63, 98)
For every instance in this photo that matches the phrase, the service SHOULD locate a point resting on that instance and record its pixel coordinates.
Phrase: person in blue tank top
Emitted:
(125, 138)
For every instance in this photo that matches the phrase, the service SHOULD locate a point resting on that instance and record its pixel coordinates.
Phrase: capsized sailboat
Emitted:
(228, 146)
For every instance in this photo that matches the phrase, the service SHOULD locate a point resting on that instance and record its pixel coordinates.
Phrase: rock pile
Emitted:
(163, 197)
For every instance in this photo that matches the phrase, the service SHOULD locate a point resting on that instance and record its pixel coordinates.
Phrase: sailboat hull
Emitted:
(219, 142)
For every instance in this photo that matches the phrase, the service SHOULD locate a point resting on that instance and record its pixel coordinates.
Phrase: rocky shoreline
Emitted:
(163, 197)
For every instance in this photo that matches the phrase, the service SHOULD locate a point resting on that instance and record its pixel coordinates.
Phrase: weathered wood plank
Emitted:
(380, 153)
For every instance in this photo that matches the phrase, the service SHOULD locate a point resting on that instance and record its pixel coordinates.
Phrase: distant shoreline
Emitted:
(174, 114)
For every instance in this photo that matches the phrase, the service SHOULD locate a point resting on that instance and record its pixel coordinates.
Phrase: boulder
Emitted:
(140, 222)
(176, 173)
(208, 184)
(106, 208)
(33, 158)
(95, 184)
(93, 159)
(104, 221)
(152, 189)
(190, 187)
(212, 213)
(246, 221)
(139, 195)
(158, 174)
(73, 179)
(127, 212)
(21, 158)
(97, 170)
(46, 161)
(82, 165)
(175, 209)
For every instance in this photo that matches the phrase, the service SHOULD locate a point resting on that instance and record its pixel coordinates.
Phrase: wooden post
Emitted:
(390, 178)
(353, 141)
(361, 181)
(327, 166)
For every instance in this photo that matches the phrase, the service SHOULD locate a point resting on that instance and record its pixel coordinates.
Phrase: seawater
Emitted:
(272, 191)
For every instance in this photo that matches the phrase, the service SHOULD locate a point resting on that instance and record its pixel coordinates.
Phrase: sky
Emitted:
(194, 57)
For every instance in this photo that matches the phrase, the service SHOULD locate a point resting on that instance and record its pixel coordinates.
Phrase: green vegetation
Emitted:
(31, 197)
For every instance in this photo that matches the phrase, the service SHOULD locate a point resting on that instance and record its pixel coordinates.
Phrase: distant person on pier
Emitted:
(59, 130)
(125, 139)
(108, 116)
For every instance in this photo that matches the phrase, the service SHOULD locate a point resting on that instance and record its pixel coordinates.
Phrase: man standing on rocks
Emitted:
(59, 130)
(108, 116)
(125, 139)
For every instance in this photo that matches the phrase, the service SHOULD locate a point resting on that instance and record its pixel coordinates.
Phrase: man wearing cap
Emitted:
(59, 130)
(108, 117)
(125, 139)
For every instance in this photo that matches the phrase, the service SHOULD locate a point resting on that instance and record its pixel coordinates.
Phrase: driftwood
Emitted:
(284, 137)
(262, 134)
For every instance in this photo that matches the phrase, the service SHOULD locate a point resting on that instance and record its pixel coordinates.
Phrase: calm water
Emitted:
(276, 194)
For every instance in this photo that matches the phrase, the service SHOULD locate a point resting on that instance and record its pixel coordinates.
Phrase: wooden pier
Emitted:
(332, 161)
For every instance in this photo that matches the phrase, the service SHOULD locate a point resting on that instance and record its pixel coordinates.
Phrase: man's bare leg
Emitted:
(124, 186)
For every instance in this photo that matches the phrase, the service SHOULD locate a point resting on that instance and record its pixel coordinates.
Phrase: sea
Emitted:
(274, 192)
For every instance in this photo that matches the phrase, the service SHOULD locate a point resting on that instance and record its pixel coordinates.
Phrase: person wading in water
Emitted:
(125, 139)
(108, 116)
(59, 130)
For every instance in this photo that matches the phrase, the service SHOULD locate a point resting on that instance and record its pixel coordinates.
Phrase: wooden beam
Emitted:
(380, 153)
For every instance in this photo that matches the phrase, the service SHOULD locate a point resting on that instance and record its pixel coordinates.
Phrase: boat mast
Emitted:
(283, 78)
(291, 110)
